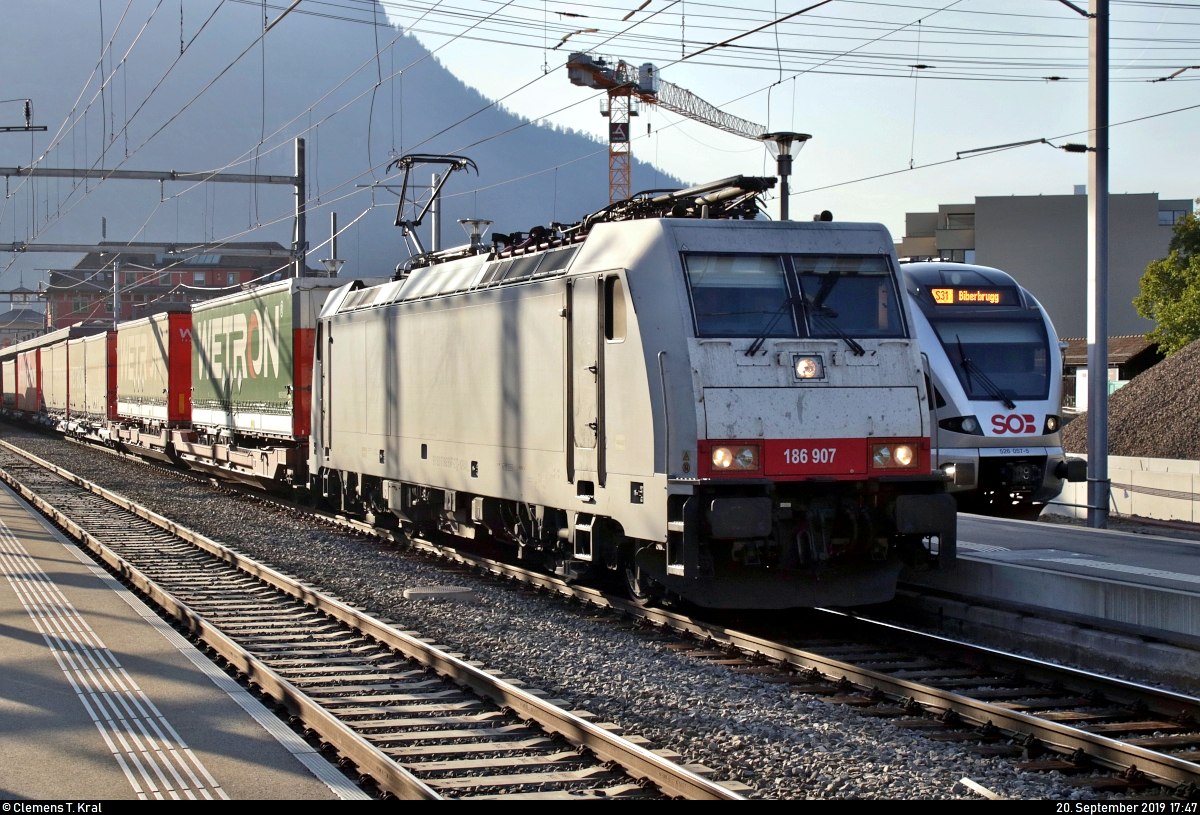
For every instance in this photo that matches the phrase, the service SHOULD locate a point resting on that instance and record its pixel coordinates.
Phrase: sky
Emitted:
(847, 80)
(843, 72)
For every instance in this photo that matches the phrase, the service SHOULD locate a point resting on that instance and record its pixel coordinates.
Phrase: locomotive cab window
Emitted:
(739, 295)
(848, 294)
(614, 309)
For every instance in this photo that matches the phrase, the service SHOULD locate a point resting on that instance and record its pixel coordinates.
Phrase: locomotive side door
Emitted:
(587, 380)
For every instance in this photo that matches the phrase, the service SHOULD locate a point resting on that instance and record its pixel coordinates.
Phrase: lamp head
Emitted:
(476, 228)
(780, 143)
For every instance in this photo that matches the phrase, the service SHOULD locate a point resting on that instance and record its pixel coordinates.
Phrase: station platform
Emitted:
(101, 699)
(1141, 584)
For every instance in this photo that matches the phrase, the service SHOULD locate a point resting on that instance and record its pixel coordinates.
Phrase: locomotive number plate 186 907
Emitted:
(816, 456)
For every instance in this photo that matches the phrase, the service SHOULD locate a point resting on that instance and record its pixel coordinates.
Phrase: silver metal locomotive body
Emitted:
(729, 411)
(996, 373)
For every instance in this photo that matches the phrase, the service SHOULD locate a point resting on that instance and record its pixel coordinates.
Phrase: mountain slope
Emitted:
(48, 49)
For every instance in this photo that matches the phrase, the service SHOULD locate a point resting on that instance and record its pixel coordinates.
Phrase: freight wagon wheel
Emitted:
(643, 590)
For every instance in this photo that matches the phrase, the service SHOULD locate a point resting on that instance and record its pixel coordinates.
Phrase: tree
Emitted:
(1170, 289)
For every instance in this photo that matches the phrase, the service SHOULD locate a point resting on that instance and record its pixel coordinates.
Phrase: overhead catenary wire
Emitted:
(244, 156)
(370, 169)
(510, 130)
(73, 119)
(991, 151)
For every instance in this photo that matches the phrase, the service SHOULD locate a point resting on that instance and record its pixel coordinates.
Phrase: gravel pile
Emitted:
(1157, 415)
(783, 743)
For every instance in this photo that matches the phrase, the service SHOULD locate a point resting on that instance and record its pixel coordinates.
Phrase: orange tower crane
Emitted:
(625, 86)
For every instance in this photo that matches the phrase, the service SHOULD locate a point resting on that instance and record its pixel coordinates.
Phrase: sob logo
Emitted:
(1013, 423)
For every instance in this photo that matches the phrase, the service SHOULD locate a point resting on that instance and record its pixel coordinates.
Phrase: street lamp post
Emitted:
(780, 145)
(1098, 483)
(332, 264)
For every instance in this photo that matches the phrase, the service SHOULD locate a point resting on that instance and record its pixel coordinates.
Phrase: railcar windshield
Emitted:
(1014, 354)
(848, 294)
(740, 296)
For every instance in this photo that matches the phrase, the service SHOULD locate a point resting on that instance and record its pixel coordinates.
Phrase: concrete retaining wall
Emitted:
(1161, 488)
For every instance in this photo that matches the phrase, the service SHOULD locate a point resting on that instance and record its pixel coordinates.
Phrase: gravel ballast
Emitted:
(783, 743)
(1156, 415)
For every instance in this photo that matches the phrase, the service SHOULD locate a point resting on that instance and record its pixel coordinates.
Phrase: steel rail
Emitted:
(388, 775)
(1105, 752)
(637, 761)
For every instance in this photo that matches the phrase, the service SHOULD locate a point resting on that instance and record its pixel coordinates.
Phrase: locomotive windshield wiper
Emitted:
(839, 332)
(991, 387)
(762, 337)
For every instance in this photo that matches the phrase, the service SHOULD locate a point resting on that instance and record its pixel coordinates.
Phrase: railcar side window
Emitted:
(849, 294)
(740, 296)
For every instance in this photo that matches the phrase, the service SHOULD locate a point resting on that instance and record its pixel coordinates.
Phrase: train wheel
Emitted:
(642, 589)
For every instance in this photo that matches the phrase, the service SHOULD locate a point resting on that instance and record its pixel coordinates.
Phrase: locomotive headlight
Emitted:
(746, 458)
(722, 458)
(894, 456)
(809, 368)
(740, 457)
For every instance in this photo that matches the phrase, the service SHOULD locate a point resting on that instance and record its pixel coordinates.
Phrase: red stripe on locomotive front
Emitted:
(846, 459)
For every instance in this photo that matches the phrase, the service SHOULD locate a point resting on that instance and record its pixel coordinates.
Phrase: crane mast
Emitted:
(625, 86)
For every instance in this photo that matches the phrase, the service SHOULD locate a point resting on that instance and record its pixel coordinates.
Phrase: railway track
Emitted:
(405, 715)
(1110, 735)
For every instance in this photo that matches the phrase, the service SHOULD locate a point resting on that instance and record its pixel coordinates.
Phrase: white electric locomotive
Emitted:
(996, 373)
(712, 407)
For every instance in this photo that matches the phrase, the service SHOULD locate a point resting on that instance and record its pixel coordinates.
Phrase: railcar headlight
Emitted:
(741, 457)
(1052, 423)
(903, 455)
(962, 424)
(809, 368)
(882, 455)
